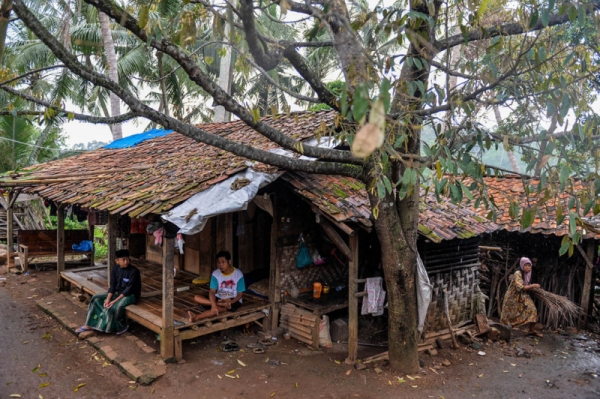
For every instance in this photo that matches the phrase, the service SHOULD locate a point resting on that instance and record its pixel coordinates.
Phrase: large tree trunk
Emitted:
(399, 259)
(113, 74)
(5, 9)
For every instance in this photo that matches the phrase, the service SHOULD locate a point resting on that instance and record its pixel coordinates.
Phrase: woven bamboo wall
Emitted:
(452, 265)
(304, 278)
(460, 285)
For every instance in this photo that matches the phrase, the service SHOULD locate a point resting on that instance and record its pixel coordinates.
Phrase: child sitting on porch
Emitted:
(106, 314)
(226, 287)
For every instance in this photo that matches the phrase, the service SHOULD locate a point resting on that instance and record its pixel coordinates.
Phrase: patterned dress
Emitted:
(518, 307)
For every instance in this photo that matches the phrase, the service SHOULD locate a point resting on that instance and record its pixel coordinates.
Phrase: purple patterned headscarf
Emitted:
(526, 276)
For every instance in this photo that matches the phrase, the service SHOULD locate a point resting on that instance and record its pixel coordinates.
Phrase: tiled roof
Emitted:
(345, 200)
(511, 188)
(178, 167)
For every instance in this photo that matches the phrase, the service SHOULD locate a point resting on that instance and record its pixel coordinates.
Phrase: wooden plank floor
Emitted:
(151, 300)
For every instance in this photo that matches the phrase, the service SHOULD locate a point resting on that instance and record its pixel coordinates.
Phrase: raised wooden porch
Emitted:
(149, 309)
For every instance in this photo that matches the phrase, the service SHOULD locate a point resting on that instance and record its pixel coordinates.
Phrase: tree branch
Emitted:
(508, 29)
(80, 117)
(189, 130)
(261, 56)
(220, 96)
(30, 73)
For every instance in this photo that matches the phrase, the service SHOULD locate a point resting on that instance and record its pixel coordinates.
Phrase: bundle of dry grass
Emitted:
(560, 309)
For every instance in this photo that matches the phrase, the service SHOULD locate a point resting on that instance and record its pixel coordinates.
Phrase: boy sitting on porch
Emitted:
(226, 288)
(106, 312)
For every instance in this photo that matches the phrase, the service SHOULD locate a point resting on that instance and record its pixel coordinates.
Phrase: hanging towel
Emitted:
(375, 299)
(158, 236)
(179, 243)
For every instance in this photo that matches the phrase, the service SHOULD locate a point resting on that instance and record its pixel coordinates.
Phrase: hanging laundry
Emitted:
(179, 243)
(158, 236)
(375, 299)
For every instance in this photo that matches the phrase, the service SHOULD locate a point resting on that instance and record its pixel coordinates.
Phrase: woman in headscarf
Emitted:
(518, 308)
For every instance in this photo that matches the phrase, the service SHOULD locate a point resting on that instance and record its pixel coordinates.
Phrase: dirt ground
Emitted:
(35, 351)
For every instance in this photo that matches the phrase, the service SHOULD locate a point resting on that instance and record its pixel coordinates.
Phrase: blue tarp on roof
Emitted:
(135, 139)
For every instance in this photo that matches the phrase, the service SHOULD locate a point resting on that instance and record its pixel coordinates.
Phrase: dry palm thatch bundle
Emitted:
(560, 308)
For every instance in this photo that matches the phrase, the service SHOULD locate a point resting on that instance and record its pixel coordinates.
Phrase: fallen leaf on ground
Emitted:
(273, 394)
(348, 372)
(520, 375)
(480, 375)
(36, 368)
(242, 363)
(40, 397)
(337, 362)
(231, 371)
(505, 371)
(44, 384)
(266, 360)
(219, 377)
(25, 343)
(413, 386)
(43, 374)
(297, 386)
(152, 390)
(79, 386)
(237, 376)
(401, 380)
(514, 365)
(46, 336)
(106, 364)
(229, 376)
(15, 395)
(432, 369)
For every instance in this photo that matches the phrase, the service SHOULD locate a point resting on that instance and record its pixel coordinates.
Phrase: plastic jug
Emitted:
(317, 287)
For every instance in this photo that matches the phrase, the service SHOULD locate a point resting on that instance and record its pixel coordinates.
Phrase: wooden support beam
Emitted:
(588, 255)
(112, 243)
(274, 276)
(353, 301)
(167, 335)
(335, 237)
(91, 233)
(60, 245)
(9, 232)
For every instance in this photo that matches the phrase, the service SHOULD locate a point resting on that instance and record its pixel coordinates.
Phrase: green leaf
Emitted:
(528, 217)
(388, 184)
(384, 93)
(564, 174)
(143, 16)
(482, 7)
(44, 384)
(572, 13)
(361, 102)
(565, 105)
(564, 248)
(380, 189)
(545, 17)
(209, 60)
(572, 224)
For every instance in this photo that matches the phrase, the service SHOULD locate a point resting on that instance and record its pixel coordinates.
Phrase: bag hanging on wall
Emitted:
(303, 258)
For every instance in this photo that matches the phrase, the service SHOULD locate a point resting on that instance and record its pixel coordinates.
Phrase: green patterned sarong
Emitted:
(107, 320)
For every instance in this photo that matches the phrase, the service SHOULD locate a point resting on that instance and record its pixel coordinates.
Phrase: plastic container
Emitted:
(294, 292)
(317, 287)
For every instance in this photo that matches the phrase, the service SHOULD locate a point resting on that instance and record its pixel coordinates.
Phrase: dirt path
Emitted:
(559, 367)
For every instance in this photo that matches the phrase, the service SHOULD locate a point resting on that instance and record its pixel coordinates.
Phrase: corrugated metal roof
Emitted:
(178, 166)
(346, 200)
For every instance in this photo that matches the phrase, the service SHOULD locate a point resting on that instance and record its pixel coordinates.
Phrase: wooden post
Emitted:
(353, 300)
(9, 232)
(274, 276)
(91, 233)
(587, 294)
(167, 334)
(60, 245)
(112, 243)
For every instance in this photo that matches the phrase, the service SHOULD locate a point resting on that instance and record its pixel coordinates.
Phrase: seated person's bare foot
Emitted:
(192, 316)
(225, 304)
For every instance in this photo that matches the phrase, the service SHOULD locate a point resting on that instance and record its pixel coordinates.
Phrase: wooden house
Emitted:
(221, 201)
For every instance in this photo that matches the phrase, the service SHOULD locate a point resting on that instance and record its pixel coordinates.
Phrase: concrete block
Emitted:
(338, 330)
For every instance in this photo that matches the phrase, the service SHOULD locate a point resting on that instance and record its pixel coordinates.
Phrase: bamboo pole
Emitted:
(167, 334)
